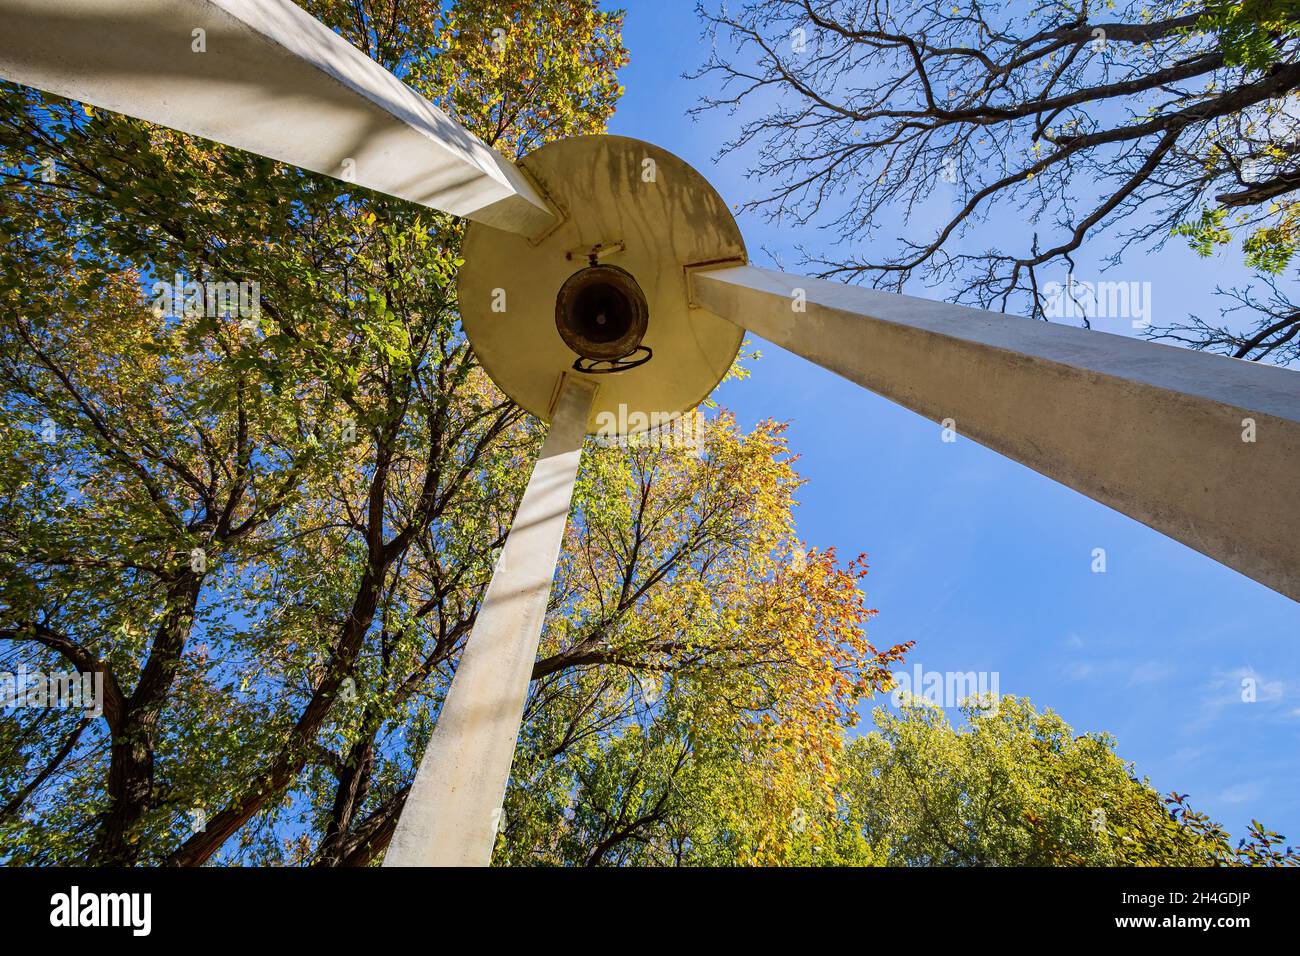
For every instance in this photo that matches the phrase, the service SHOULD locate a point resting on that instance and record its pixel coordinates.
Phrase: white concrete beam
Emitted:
(1153, 431)
(269, 79)
(450, 817)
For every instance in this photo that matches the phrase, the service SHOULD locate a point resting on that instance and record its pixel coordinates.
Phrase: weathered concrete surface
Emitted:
(450, 816)
(1153, 431)
(274, 81)
(508, 285)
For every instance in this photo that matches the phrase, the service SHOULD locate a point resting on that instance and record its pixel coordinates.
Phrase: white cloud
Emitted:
(1241, 685)
(1241, 793)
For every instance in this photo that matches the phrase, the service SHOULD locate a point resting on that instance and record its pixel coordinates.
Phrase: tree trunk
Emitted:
(353, 786)
(131, 761)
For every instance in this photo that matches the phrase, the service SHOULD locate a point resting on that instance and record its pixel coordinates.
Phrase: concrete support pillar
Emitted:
(265, 76)
(1203, 448)
(451, 814)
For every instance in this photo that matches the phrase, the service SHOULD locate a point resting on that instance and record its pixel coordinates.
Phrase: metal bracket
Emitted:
(600, 250)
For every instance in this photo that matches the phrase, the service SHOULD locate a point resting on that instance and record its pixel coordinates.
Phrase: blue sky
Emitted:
(987, 565)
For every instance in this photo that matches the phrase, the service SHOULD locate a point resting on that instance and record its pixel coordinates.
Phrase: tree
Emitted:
(1016, 787)
(731, 730)
(267, 521)
(176, 466)
(1108, 125)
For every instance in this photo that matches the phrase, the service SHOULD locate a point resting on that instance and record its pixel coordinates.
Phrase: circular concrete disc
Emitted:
(608, 189)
